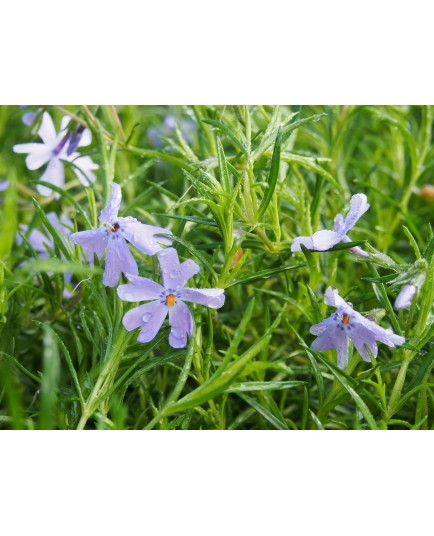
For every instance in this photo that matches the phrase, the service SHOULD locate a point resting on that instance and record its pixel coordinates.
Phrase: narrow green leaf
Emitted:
(263, 386)
(268, 416)
(264, 274)
(224, 173)
(272, 177)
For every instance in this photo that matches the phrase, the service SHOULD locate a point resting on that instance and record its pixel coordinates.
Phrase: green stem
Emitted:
(105, 379)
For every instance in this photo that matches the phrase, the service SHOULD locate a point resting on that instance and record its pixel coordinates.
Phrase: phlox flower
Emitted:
(4, 185)
(112, 239)
(405, 297)
(345, 322)
(54, 151)
(28, 117)
(44, 244)
(324, 240)
(168, 298)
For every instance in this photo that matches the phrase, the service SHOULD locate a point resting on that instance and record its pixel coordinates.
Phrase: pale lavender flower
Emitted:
(28, 117)
(113, 236)
(53, 151)
(3, 185)
(405, 297)
(324, 240)
(345, 322)
(44, 244)
(168, 298)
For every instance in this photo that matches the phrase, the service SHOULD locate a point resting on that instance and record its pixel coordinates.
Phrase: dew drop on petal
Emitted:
(146, 317)
(178, 333)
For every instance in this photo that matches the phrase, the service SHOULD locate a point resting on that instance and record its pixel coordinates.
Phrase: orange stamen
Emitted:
(345, 319)
(170, 300)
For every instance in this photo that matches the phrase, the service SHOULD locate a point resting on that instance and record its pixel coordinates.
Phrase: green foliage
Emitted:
(235, 185)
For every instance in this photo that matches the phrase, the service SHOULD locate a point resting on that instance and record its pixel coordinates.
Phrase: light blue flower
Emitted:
(347, 323)
(405, 297)
(324, 240)
(54, 151)
(167, 299)
(113, 238)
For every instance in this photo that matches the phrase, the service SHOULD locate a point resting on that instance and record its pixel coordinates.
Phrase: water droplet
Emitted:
(146, 317)
(178, 333)
(128, 296)
(174, 273)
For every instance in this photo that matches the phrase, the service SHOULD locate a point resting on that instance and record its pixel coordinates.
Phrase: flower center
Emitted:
(345, 319)
(113, 228)
(170, 300)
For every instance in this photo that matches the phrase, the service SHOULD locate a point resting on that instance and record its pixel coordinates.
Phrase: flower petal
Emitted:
(305, 240)
(64, 225)
(55, 174)
(356, 250)
(332, 298)
(110, 212)
(359, 205)
(36, 239)
(181, 322)
(339, 224)
(153, 317)
(93, 242)
(142, 236)
(83, 167)
(405, 297)
(86, 138)
(140, 289)
(385, 335)
(150, 316)
(47, 132)
(211, 297)
(324, 240)
(28, 118)
(118, 259)
(173, 273)
(64, 122)
(362, 337)
(323, 326)
(38, 154)
(333, 338)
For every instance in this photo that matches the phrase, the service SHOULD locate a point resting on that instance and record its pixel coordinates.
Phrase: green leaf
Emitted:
(263, 386)
(272, 177)
(224, 173)
(67, 357)
(268, 416)
(58, 266)
(49, 381)
(264, 274)
(57, 239)
(228, 132)
(8, 220)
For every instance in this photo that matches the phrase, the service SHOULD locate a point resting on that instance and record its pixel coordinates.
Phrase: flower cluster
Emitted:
(110, 241)
(334, 332)
(166, 299)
